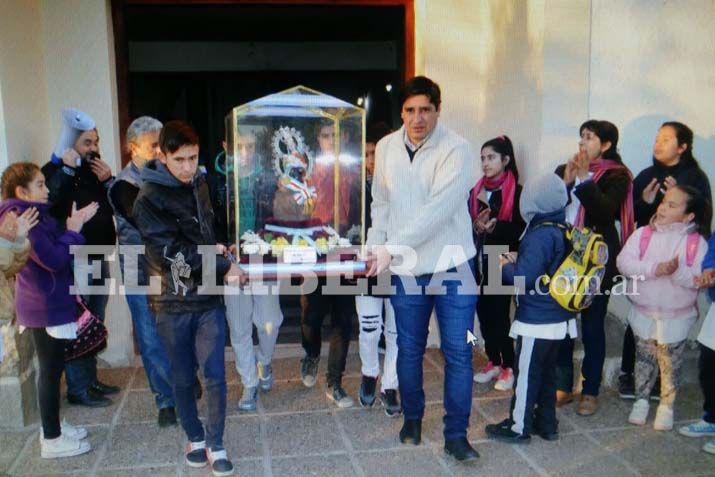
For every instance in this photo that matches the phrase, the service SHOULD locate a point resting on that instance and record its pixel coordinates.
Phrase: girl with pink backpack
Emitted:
(661, 263)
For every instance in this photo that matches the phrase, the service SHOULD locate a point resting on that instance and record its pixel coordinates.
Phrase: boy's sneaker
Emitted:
(63, 446)
(249, 399)
(663, 418)
(196, 454)
(337, 394)
(73, 432)
(505, 382)
(709, 447)
(220, 465)
(265, 377)
(487, 373)
(701, 428)
(626, 386)
(639, 413)
(366, 394)
(309, 370)
(503, 432)
(389, 401)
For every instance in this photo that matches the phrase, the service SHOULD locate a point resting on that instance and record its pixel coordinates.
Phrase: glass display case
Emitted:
(296, 184)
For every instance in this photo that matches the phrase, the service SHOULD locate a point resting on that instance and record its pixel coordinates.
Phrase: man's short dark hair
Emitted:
(421, 85)
(175, 135)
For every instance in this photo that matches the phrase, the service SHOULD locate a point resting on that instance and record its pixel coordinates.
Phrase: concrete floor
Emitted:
(297, 433)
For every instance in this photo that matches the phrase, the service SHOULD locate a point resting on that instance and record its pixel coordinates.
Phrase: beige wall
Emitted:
(23, 110)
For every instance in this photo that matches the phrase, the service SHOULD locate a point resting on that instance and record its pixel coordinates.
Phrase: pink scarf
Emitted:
(599, 167)
(507, 184)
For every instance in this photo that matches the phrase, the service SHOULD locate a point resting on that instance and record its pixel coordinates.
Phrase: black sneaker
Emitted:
(460, 449)
(626, 386)
(411, 432)
(104, 389)
(196, 455)
(391, 403)
(220, 465)
(502, 432)
(367, 391)
(309, 371)
(89, 399)
(167, 417)
(337, 394)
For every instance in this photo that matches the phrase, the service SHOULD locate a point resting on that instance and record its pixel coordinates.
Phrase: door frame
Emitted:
(121, 45)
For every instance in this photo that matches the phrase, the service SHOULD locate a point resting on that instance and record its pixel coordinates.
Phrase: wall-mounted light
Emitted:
(360, 101)
(388, 87)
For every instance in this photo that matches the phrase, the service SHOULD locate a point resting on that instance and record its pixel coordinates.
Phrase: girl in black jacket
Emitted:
(600, 189)
(673, 163)
(494, 207)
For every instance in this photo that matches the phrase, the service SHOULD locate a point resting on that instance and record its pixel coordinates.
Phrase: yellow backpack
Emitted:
(578, 279)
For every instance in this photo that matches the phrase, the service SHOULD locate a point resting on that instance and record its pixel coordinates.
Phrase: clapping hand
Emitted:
(666, 268)
(707, 279)
(26, 221)
(480, 224)
(78, 218)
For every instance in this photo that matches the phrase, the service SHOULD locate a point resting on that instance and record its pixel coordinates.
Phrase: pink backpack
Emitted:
(691, 247)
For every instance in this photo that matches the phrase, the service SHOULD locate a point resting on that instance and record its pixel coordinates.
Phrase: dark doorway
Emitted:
(197, 59)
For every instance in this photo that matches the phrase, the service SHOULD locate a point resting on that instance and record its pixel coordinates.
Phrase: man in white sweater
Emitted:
(423, 174)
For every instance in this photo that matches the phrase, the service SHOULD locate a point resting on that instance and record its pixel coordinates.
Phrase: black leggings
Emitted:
(51, 355)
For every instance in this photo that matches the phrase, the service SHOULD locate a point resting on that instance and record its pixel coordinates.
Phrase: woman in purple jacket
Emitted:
(43, 300)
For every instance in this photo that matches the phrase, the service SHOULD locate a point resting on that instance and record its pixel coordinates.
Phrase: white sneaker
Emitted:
(505, 381)
(63, 446)
(488, 373)
(701, 428)
(709, 447)
(663, 418)
(74, 432)
(639, 413)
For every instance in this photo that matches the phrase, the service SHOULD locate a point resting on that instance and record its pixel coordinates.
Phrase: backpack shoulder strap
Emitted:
(691, 248)
(645, 240)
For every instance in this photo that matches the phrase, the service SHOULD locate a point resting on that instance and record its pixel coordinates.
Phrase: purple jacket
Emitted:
(42, 287)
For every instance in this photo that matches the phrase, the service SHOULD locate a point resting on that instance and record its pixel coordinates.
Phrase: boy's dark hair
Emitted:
(16, 175)
(502, 145)
(698, 205)
(421, 85)
(377, 131)
(175, 135)
(606, 131)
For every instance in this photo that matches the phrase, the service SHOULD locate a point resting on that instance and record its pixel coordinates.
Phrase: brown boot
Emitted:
(563, 398)
(587, 406)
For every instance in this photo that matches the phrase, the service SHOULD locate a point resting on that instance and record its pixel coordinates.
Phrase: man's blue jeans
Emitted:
(197, 340)
(154, 357)
(455, 315)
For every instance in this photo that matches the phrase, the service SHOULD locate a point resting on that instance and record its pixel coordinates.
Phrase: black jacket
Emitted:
(81, 185)
(174, 218)
(505, 232)
(602, 201)
(684, 173)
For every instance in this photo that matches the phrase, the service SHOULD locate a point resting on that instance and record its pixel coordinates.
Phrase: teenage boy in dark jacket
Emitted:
(540, 322)
(174, 216)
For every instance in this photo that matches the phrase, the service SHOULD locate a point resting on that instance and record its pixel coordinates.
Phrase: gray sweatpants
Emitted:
(243, 311)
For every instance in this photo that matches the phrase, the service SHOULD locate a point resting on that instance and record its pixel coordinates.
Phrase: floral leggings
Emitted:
(650, 356)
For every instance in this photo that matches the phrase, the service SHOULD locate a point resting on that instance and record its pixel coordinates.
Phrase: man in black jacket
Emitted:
(174, 216)
(76, 174)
